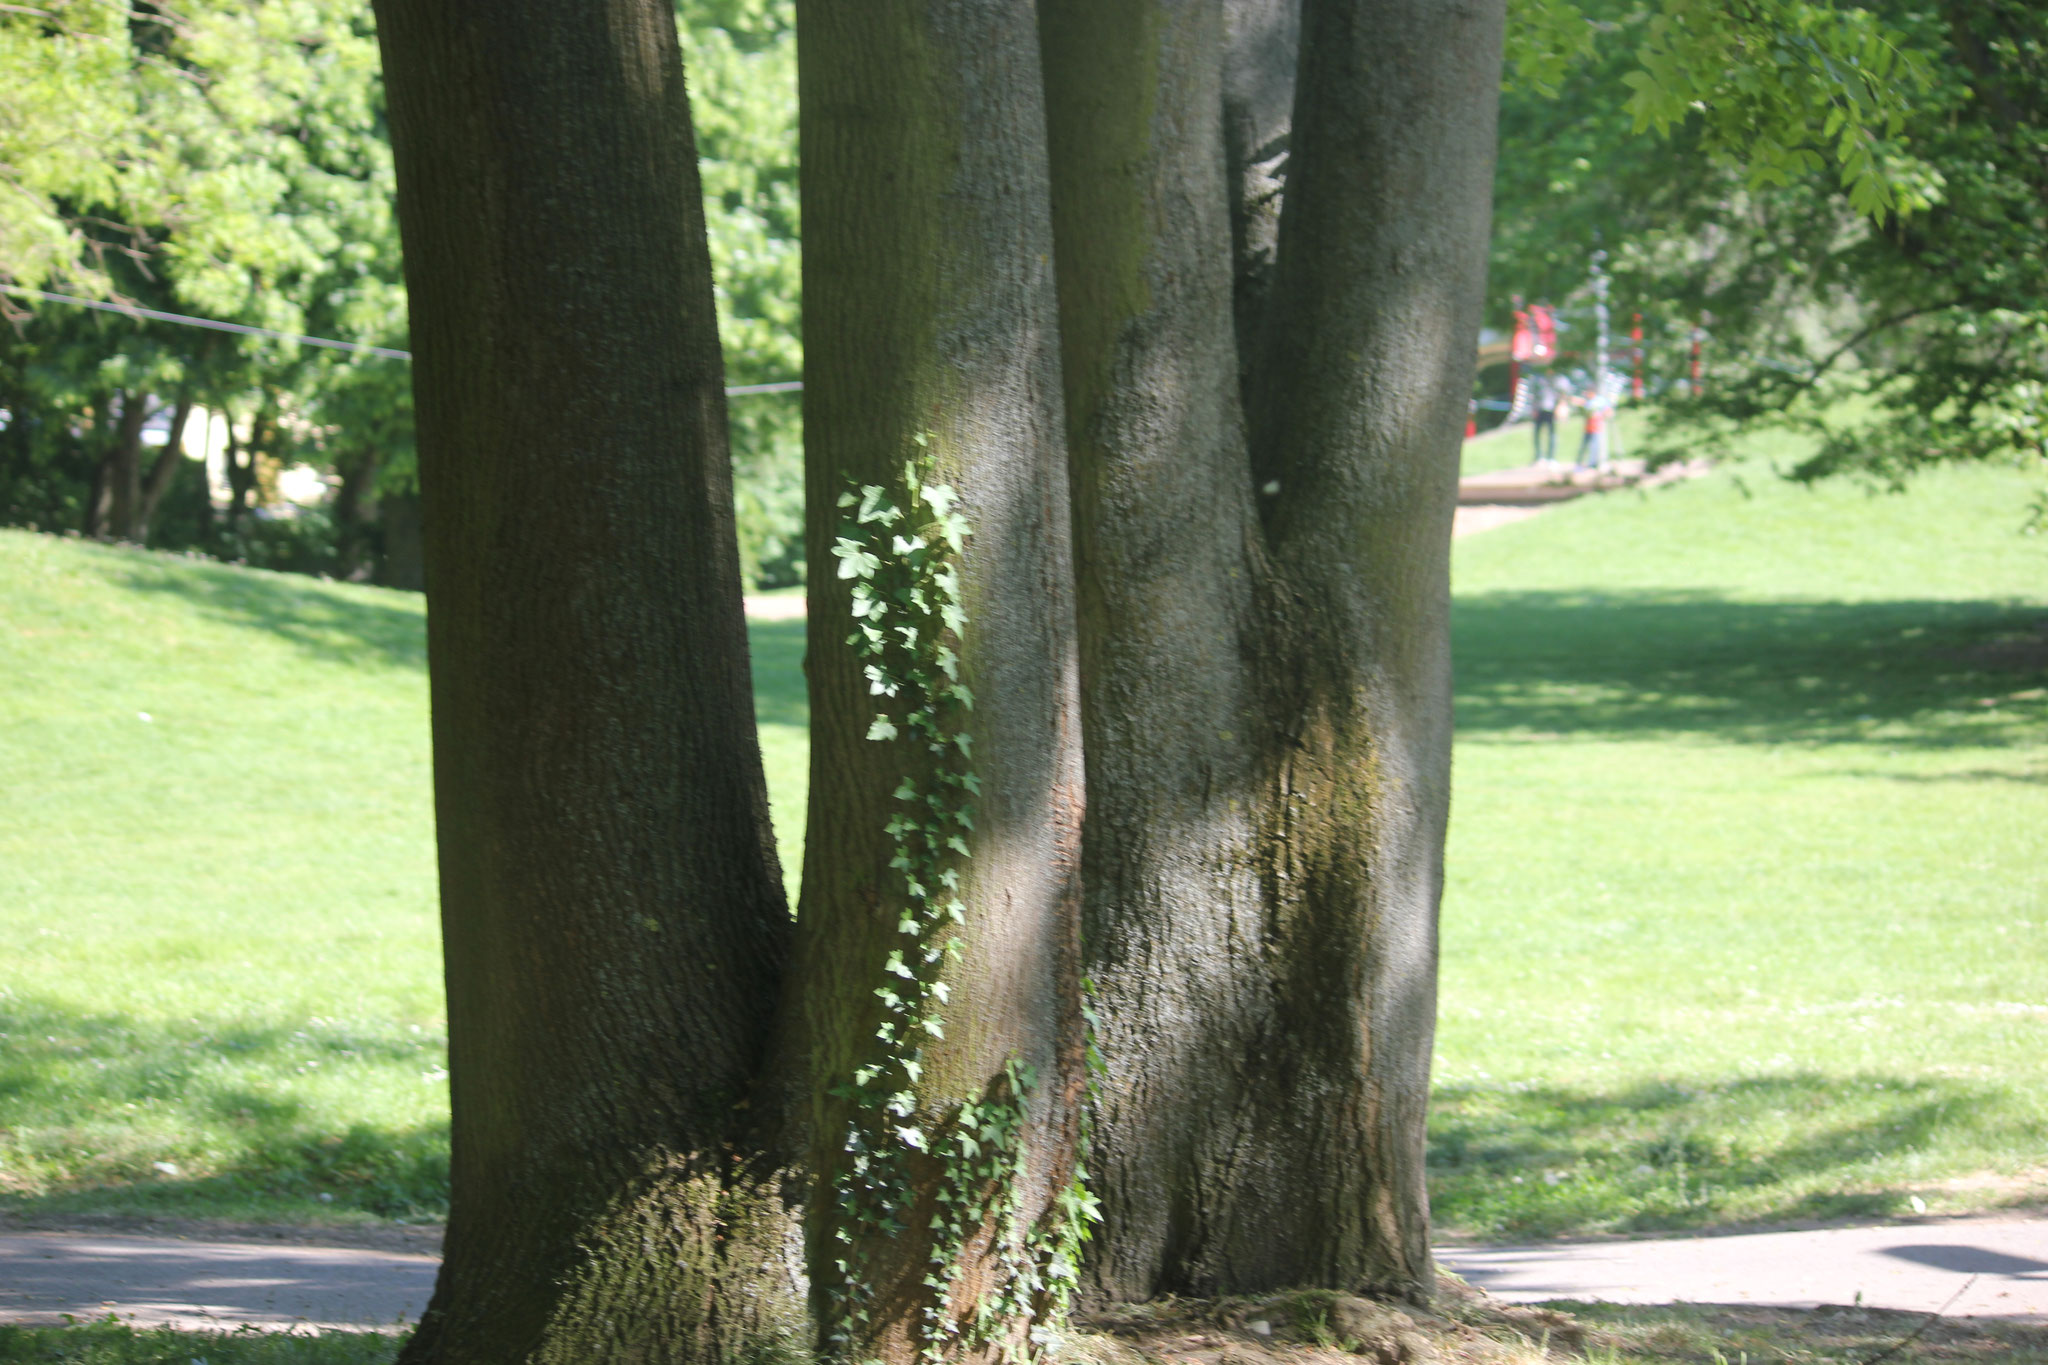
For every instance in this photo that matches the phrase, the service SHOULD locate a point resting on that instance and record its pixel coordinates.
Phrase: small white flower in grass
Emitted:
(164, 1167)
(145, 717)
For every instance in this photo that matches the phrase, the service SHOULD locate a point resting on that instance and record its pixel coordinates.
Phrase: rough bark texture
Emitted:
(1261, 42)
(930, 312)
(612, 913)
(1264, 617)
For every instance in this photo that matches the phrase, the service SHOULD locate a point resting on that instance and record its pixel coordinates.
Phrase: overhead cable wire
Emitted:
(243, 329)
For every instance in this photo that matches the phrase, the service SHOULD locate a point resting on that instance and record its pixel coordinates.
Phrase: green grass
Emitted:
(1745, 917)
(222, 953)
(1604, 1334)
(110, 1343)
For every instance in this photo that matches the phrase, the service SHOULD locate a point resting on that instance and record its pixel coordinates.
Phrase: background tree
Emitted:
(1872, 279)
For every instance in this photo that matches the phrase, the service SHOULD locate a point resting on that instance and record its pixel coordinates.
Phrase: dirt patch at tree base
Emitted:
(1465, 1326)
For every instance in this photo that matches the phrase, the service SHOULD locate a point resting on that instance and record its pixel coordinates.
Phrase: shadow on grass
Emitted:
(780, 695)
(1523, 1160)
(114, 1343)
(326, 621)
(91, 1103)
(1625, 664)
(339, 626)
(1701, 1332)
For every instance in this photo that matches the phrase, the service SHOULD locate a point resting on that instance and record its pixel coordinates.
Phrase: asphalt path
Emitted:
(1980, 1267)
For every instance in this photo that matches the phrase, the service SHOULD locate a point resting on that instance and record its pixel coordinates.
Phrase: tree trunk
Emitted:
(165, 468)
(241, 473)
(99, 499)
(356, 516)
(402, 564)
(124, 475)
(930, 332)
(1264, 617)
(612, 912)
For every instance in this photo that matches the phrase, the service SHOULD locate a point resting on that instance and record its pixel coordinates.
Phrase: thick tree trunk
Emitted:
(930, 333)
(612, 913)
(157, 481)
(1264, 618)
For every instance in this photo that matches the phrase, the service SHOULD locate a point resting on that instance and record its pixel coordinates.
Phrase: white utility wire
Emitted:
(135, 311)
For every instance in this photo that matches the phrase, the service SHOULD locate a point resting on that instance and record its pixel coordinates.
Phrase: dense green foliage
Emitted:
(229, 161)
(1892, 253)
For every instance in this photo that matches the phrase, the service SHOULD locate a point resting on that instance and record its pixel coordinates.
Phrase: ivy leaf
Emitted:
(882, 729)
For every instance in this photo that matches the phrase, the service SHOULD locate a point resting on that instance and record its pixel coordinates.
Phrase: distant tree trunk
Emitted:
(117, 480)
(402, 565)
(356, 516)
(931, 339)
(163, 470)
(1264, 610)
(124, 475)
(612, 911)
(99, 499)
(238, 462)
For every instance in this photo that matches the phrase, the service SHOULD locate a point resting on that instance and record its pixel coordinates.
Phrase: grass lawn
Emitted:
(1745, 918)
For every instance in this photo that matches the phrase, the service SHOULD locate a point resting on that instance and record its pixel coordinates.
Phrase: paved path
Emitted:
(174, 1282)
(1916, 1267)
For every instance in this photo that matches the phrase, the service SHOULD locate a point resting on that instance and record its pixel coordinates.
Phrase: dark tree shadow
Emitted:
(61, 1070)
(1516, 1160)
(1902, 674)
(327, 621)
(780, 697)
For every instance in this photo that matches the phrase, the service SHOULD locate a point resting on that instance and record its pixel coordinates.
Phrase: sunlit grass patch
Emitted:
(111, 1343)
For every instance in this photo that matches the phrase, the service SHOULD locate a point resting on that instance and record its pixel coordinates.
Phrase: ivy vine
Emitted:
(902, 561)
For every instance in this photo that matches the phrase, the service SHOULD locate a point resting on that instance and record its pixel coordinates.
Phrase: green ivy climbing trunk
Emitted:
(944, 1156)
(614, 924)
(1265, 402)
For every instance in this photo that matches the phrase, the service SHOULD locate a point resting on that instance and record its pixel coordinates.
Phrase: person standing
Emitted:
(1544, 398)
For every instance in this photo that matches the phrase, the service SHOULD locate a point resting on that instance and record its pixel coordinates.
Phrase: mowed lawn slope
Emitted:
(1747, 916)
(1744, 920)
(220, 991)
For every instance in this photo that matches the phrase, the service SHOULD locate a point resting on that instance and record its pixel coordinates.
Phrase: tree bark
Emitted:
(240, 471)
(99, 499)
(163, 470)
(1261, 48)
(1264, 617)
(124, 480)
(117, 481)
(612, 912)
(930, 336)
(402, 565)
